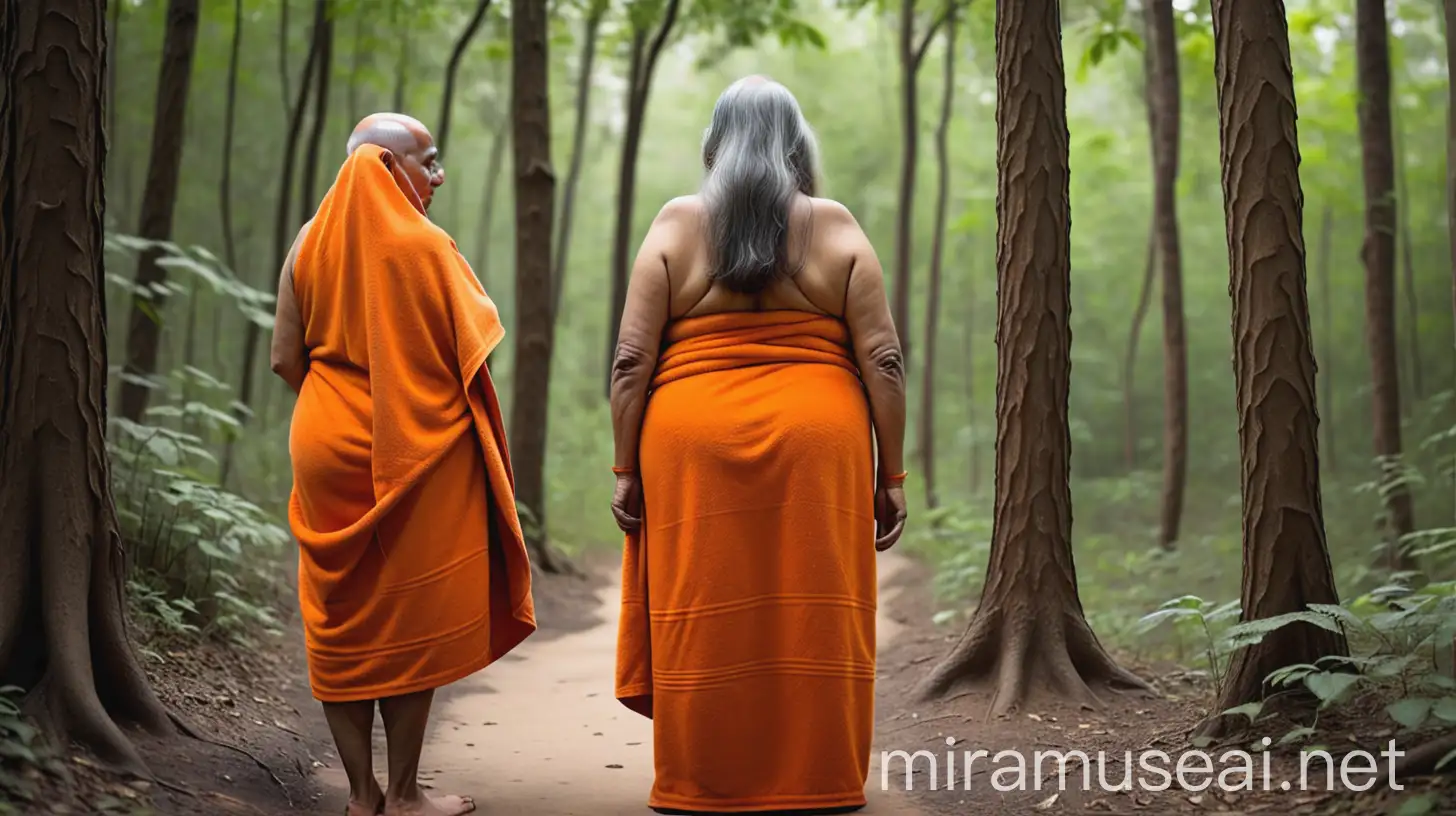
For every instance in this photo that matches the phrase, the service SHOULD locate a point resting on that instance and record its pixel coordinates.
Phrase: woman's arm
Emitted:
(644, 316)
(289, 355)
(876, 343)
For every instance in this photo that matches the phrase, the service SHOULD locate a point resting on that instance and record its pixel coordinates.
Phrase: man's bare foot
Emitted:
(374, 806)
(430, 806)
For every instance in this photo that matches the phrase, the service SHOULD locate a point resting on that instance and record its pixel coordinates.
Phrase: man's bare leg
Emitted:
(405, 722)
(352, 725)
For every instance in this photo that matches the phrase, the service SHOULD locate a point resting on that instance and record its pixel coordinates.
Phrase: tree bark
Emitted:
(1327, 353)
(452, 69)
(595, 14)
(323, 36)
(639, 86)
(158, 202)
(535, 202)
(1129, 362)
(1450, 21)
(229, 129)
(63, 627)
(937, 249)
(281, 243)
(113, 53)
(1286, 565)
(911, 56)
(1408, 268)
(493, 168)
(1372, 58)
(1029, 634)
(1164, 92)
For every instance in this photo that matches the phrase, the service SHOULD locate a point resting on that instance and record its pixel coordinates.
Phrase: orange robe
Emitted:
(413, 572)
(747, 630)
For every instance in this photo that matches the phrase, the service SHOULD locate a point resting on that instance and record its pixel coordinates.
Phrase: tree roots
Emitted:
(1025, 657)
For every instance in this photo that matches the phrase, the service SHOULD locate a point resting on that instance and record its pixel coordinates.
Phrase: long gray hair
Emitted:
(759, 153)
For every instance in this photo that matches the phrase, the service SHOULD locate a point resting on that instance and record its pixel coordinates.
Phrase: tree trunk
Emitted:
(1164, 92)
(281, 244)
(967, 347)
(535, 202)
(1327, 400)
(1408, 268)
(578, 150)
(158, 202)
(356, 65)
(113, 54)
(285, 84)
(452, 68)
(1129, 362)
(1450, 21)
(639, 85)
(229, 129)
(909, 149)
(1286, 564)
(63, 627)
(937, 248)
(487, 210)
(1372, 57)
(323, 35)
(1029, 633)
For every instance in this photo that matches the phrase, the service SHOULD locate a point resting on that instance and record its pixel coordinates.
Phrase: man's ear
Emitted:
(386, 157)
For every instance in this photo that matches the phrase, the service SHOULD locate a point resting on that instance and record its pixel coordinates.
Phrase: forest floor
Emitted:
(540, 733)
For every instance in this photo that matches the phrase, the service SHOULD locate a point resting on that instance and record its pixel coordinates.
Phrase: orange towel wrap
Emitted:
(402, 501)
(748, 600)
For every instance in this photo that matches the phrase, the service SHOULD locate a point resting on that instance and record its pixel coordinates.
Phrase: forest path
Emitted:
(540, 733)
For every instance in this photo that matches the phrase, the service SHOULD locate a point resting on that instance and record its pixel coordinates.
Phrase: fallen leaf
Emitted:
(1047, 803)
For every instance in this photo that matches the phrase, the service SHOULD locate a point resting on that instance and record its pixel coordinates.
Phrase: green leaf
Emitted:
(943, 616)
(1330, 687)
(1445, 708)
(1250, 710)
(1418, 805)
(1296, 735)
(1410, 712)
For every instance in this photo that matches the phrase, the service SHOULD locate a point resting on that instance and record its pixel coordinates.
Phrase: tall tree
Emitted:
(937, 250)
(323, 44)
(596, 10)
(1408, 268)
(225, 194)
(642, 68)
(1145, 290)
(282, 220)
(158, 203)
(912, 54)
(285, 83)
(500, 139)
(1450, 23)
(535, 203)
(1286, 564)
(452, 70)
(1327, 352)
(356, 68)
(63, 628)
(1029, 633)
(1372, 60)
(1163, 93)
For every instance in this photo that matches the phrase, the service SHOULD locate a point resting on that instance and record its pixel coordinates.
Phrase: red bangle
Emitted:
(895, 478)
(623, 471)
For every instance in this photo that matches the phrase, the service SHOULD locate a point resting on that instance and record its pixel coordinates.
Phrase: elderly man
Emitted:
(403, 498)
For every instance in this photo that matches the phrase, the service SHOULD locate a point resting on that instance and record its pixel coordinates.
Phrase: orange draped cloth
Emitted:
(747, 629)
(413, 572)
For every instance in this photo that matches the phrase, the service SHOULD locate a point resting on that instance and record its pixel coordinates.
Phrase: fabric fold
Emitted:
(747, 628)
(413, 570)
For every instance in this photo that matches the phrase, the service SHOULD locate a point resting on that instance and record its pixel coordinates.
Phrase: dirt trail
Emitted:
(539, 732)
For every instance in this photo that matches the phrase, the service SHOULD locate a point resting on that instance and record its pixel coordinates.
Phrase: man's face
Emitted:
(422, 167)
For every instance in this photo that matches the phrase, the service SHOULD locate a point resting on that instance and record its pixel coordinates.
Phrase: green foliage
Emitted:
(23, 757)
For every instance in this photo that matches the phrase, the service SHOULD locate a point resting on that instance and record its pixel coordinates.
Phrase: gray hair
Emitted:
(759, 153)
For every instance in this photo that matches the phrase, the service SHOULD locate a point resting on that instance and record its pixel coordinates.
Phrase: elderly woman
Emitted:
(758, 406)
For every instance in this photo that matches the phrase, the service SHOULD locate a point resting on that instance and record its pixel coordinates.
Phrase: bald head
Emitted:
(410, 143)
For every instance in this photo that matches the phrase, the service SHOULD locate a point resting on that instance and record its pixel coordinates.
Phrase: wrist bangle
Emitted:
(623, 471)
(895, 478)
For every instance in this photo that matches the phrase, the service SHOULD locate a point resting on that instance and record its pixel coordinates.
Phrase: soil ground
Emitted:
(540, 734)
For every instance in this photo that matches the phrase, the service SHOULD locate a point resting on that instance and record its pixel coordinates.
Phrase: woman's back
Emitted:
(823, 244)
